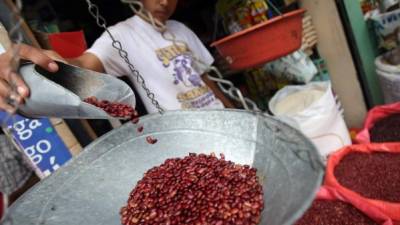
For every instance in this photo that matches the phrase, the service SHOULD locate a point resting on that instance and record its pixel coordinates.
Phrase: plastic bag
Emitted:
(321, 121)
(296, 67)
(388, 208)
(386, 26)
(388, 5)
(389, 78)
(329, 193)
(374, 115)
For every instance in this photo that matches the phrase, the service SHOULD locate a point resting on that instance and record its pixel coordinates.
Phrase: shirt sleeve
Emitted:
(108, 55)
(197, 48)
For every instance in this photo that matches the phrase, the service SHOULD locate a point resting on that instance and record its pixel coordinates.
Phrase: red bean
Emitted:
(140, 129)
(329, 212)
(193, 190)
(151, 140)
(375, 175)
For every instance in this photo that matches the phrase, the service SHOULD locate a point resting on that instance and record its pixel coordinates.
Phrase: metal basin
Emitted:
(92, 188)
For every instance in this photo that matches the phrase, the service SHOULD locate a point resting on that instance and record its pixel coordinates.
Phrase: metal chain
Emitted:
(274, 7)
(229, 88)
(101, 22)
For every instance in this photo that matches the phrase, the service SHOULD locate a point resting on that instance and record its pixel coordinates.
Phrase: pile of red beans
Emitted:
(115, 109)
(375, 175)
(197, 190)
(328, 212)
(386, 129)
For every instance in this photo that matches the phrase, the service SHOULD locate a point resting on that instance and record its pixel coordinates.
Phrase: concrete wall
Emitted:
(333, 47)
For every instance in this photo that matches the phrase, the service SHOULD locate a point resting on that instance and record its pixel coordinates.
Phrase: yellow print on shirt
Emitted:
(165, 55)
(193, 94)
(197, 98)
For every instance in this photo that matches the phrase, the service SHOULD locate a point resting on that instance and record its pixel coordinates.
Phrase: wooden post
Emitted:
(333, 47)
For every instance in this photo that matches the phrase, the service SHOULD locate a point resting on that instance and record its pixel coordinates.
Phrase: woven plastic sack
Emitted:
(390, 209)
(389, 79)
(374, 115)
(321, 121)
(296, 67)
(386, 27)
(329, 193)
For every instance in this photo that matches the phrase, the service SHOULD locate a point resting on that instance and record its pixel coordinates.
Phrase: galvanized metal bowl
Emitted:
(92, 188)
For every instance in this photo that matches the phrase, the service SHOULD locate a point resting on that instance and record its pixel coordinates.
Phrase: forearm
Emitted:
(218, 93)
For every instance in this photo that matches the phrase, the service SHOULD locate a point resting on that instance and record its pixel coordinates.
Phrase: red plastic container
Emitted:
(263, 42)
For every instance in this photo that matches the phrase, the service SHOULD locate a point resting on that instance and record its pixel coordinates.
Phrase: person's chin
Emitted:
(161, 17)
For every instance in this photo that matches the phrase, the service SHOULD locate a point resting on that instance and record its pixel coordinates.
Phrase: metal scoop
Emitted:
(61, 94)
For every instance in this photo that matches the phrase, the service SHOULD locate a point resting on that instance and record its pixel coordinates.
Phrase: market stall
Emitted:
(284, 155)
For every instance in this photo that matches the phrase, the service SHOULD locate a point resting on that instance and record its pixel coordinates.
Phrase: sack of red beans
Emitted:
(370, 172)
(333, 207)
(381, 125)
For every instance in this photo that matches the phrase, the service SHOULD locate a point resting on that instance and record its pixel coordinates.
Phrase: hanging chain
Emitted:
(101, 22)
(273, 6)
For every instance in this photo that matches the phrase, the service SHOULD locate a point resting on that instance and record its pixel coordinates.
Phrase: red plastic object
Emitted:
(68, 44)
(263, 42)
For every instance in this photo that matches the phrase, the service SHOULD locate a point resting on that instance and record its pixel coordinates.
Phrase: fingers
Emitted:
(37, 56)
(18, 84)
(8, 99)
(12, 87)
(55, 56)
(7, 107)
(13, 80)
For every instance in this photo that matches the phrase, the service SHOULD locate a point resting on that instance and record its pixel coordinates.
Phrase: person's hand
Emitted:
(12, 87)
(55, 56)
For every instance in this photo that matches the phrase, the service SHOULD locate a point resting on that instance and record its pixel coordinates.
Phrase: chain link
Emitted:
(101, 22)
(229, 88)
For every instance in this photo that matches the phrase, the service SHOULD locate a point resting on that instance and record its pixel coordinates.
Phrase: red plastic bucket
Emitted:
(263, 42)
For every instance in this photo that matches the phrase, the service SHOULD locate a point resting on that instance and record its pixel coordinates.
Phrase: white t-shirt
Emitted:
(167, 69)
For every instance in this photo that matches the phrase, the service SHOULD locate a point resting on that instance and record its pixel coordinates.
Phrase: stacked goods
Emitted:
(370, 172)
(198, 189)
(240, 15)
(309, 40)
